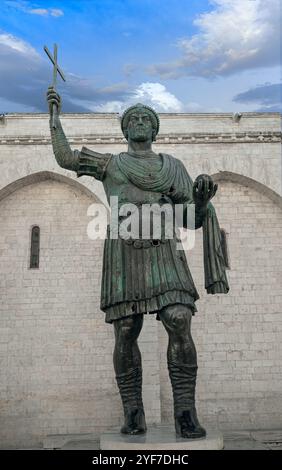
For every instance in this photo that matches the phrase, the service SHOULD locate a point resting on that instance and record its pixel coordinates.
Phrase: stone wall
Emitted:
(238, 336)
(55, 349)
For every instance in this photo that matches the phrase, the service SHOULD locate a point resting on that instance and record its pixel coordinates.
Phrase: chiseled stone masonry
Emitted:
(56, 372)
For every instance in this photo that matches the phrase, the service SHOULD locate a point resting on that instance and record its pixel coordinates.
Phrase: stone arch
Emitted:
(43, 176)
(249, 183)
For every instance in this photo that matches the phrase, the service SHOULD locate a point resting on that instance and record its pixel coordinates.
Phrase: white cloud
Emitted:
(152, 94)
(236, 35)
(16, 44)
(108, 107)
(45, 11)
(30, 8)
(25, 76)
(158, 95)
(38, 11)
(56, 12)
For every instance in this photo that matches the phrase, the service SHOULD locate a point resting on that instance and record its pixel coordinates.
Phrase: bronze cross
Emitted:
(56, 70)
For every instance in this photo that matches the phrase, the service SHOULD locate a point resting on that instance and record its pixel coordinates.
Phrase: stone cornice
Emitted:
(163, 115)
(188, 138)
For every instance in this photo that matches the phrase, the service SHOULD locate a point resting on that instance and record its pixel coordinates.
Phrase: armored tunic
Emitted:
(142, 276)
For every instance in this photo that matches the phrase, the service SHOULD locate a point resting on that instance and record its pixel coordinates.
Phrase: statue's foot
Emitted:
(188, 426)
(134, 422)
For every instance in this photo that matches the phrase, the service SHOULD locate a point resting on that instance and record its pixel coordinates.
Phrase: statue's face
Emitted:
(140, 127)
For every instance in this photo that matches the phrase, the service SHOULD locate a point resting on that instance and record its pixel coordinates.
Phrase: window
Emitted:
(225, 248)
(34, 247)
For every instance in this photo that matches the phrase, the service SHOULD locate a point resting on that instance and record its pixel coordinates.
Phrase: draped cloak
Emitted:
(140, 278)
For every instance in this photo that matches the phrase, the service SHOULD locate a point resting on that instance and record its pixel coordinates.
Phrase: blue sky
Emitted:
(175, 55)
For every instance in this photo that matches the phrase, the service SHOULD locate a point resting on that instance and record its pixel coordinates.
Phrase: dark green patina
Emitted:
(149, 276)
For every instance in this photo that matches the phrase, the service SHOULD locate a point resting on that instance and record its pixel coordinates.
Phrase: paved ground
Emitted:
(247, 440)
(233, 440)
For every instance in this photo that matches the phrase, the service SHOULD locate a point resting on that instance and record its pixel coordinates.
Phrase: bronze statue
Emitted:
(148, 275)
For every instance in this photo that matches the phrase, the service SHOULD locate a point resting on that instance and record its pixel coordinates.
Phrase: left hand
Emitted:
(203, 190)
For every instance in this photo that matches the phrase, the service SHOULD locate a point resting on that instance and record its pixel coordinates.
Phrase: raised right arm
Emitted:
(64, 155)
(84, 162)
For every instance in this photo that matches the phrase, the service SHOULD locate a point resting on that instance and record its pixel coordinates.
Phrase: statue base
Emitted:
(159, 437)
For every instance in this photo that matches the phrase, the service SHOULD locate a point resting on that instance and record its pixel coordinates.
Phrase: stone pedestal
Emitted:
(159, 437)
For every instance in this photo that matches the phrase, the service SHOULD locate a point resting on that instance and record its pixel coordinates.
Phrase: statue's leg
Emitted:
(128, 369)
(182, 366)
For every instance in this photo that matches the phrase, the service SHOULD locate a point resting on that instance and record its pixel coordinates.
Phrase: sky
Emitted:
(175, 55)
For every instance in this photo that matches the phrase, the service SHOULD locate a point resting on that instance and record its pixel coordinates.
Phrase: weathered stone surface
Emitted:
(159, 437)
(71, 441)
(244, 444)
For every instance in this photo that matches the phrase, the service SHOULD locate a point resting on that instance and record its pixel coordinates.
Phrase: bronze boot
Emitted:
(183, 381)
(130, 388)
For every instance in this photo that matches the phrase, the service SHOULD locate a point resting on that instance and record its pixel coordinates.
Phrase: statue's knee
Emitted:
(177, 318)
(180, 322)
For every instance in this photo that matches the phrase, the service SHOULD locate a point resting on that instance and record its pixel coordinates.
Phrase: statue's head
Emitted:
(140, 123)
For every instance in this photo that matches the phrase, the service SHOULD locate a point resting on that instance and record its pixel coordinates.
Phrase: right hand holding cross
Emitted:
(53, 98)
